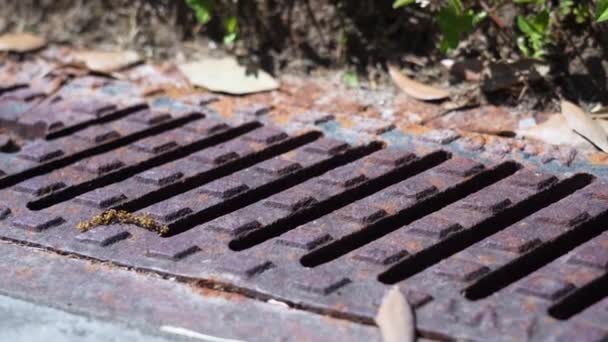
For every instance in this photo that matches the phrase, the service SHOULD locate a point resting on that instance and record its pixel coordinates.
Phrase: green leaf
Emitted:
(536, 34)
(230, 38)
(203, 9)
(522, 2)
(456, 6)
(454, 23)
(601, 13)
(231, 26)
(524, 26)
(523, 47)
(479, 17)
(540, 22)
(351, 79)
(401, 3)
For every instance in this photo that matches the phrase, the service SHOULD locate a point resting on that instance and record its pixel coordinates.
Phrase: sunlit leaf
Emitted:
(395, 318)
(21, 42)
(203, 9)
(231, 26)
(602, 11)
(415, 89)
(227, 76)
(582, 123)
(351, 79)
(401, 3)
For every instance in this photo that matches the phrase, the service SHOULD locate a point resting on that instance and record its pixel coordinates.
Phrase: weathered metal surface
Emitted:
(322, 217)
(117, 302)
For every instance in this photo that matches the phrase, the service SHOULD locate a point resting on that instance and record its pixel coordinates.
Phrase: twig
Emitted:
(311, 13)
(503, 28)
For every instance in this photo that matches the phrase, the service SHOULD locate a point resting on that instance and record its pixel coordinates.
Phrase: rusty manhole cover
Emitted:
(482, 249)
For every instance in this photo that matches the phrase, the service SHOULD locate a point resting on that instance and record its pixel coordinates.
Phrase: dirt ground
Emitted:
(328, 38)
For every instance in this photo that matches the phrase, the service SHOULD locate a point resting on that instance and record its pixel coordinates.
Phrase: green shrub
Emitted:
(535, 23)
(205, 10)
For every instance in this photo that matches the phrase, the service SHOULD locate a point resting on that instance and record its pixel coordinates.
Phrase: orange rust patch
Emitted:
(487, 259)
(598, 158)
(415, 129)
(107, 298)
(345, 121)
(217, 293)
(91, 268)
(24, 273)
(224, 106)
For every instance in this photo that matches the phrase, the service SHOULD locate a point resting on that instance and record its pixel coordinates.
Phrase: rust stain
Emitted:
(218, 293)
(107, 298)
(598, 158)
(91, 268)
(415, 129)
(24, 273)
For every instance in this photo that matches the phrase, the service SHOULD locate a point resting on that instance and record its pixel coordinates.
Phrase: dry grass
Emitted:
(113, 216)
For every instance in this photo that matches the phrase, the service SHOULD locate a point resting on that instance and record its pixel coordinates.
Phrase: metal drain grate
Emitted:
(483, 251)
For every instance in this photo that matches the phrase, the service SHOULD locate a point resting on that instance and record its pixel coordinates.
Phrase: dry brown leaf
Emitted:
(583, 124)
(555, 131)
(396, 318)
(21, 42)
(226, 75)
(106, 62)
(416, 89)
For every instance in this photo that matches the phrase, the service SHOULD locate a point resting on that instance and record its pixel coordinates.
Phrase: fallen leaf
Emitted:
(395, 318)
(599, 111)
(227, 76)
(584, 125)
(105, 61)
(555, 131)
(21, 42)
(416, 89)
(603, 124)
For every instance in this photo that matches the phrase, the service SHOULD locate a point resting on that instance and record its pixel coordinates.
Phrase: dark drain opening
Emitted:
(13, 179)
(118, 114)
(224, 170)
(534, 260)
(127, 172)
(379, 229)
(267, 190)
(248, 240)
(460, 241)
(580, 299)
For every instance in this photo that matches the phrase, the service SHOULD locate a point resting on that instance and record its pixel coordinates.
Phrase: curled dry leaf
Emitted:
(396, 318)
(227, 76)
(416, 89)
(21, 42)
(554, 131)
(106, 62)
(580, 122)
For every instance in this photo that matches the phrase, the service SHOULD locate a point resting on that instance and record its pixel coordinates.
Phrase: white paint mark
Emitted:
(194, 334)
(279, 303)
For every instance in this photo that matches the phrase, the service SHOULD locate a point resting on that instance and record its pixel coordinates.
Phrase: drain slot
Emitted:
(106, 118)
(534, 260)
(460, 241)
(580, 299)
(377, 230)
(193, 182)
(267, 190)
(249, 240)
(13, 179)
(129, 171)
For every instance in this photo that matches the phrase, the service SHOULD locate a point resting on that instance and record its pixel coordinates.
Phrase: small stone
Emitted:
(441, 136)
